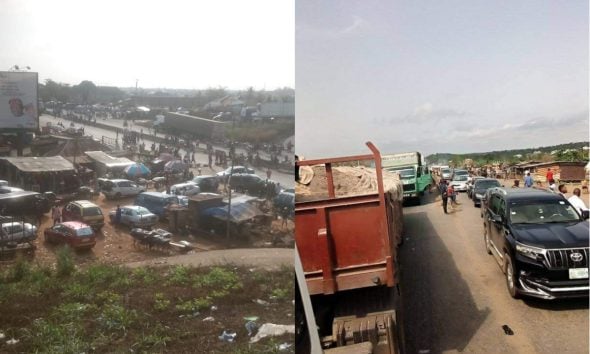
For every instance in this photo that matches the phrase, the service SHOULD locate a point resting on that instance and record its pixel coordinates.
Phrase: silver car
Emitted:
(17, 232)
(134, 216)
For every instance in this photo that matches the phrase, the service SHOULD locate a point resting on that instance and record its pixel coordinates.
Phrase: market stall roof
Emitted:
(108, 160)
(40, 164)
(240, 212)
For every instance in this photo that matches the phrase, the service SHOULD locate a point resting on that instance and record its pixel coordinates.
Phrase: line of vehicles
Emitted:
(539, 240)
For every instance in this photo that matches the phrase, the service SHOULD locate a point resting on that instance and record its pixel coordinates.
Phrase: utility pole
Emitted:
(231, 172)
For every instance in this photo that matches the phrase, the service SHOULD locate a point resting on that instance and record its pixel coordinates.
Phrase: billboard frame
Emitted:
(37, 129)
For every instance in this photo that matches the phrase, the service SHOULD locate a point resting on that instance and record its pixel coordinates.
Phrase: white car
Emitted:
(134, 216)
(186, 189)
(17, 232)
(117, 188)
(459, 183)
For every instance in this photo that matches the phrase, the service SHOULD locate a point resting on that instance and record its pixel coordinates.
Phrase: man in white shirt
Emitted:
(577, 202)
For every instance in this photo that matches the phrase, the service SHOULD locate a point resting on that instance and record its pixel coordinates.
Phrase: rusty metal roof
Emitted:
(40, 164)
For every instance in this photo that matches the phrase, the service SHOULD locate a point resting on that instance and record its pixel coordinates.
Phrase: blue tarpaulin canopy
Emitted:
(240, 212)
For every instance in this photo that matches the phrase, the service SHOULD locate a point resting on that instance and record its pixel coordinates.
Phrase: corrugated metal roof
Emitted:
(108, 160)
(41, 164)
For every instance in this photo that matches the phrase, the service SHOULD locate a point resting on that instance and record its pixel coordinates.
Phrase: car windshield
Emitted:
(486, 184)
(404, 173)
(445, 171)
(460, 178)
(461, 173)
(543, 212)
(142, 211)
(84, 232)
(92, 211)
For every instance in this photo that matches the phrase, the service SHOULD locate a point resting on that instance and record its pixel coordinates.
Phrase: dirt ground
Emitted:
(115, 245)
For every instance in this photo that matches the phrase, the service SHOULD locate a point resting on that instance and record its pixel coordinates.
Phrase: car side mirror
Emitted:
(585, 214)
(497, 218)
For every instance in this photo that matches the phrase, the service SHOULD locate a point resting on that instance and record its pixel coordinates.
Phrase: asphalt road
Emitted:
(284, 179)
(455, 297)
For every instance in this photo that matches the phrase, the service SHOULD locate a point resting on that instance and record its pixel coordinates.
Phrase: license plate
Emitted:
(578, 273)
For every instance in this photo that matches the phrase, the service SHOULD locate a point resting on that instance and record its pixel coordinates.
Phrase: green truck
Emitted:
(414, 176)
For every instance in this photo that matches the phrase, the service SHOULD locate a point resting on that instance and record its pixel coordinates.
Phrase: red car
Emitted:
(73, 233)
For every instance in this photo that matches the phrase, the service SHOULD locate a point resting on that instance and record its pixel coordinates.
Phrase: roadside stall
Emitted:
(40, 174)
(104, 163)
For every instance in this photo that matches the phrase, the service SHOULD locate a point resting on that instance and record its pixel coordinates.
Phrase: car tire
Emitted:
(486, 240)
(510, 275)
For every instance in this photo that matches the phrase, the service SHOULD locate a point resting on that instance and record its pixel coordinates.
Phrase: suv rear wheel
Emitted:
(510, 273)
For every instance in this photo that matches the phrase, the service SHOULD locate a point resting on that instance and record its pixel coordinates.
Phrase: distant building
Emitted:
(562, 170)
(277, 109)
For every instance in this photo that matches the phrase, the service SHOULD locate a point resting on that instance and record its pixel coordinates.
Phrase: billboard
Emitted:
(18, 100)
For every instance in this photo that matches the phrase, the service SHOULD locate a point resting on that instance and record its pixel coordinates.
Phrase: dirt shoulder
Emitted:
(266, 258)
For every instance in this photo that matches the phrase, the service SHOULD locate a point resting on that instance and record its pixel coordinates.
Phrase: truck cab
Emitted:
(414, 176)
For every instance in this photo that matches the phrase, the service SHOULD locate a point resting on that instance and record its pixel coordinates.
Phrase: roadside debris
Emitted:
(208, 319)
(12, 341)
(285, 346)
(228, 336)
(262, 302)
(251, 327)
(507, 330)
(272, 330)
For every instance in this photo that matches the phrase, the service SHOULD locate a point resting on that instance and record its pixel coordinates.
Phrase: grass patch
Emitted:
(103, 308)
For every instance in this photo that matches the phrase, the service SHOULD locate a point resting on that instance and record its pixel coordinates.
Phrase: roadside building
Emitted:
(104, 163)
(563, 171)
(40, 174)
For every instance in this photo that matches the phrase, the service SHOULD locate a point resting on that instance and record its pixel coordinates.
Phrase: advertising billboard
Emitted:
(18, 100)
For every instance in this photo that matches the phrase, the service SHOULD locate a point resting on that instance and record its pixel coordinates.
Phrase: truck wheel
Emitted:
(487, 240)
(510, 273)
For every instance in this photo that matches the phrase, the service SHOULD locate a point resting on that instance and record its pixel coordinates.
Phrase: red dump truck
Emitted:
(347, 247)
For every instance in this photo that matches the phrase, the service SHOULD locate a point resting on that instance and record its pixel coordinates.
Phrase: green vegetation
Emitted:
(104, 308)
(562, 152)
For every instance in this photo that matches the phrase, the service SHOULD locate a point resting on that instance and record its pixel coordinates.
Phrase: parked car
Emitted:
(284, 204)
(459, 183)
(207, 183)
(117, 188)
(540, 242)
(84, 211)
(75, 234)
(470, 184)
(135, 216)
(446, 173)
(17, 232)
(480, 187)
(186, 189)
(223, 175)
(250, 184)
(156, 202)
(3, 183)
(7, 189)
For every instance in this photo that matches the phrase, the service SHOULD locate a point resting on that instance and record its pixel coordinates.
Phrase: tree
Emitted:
(87, 91)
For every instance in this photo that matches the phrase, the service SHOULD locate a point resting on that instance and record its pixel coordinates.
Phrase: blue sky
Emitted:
(439, 76)
(166, 44)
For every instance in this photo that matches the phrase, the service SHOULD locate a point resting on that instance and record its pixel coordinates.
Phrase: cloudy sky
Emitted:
(439, 76)
(168, 44)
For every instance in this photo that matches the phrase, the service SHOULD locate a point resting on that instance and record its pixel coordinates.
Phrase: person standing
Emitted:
(452, 195)
(528, 180)
(577, 202)
(562, 190)
(443, 188)
(268, 173)
(56, 214)
(118, 214)
(549, 176)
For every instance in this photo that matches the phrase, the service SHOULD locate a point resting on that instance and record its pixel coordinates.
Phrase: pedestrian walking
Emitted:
(268, 173)
(443, 188)
(549, 176)
(56, 214)
(528, 180)
(452, 195)
(577, 202)
(118, 214)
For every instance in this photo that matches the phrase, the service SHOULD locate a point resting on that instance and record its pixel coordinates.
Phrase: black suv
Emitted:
(539, 240)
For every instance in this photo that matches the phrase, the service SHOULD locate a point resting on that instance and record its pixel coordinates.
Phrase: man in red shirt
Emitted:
(549, 175)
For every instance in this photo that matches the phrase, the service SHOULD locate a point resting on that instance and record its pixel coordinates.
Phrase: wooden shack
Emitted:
(563, 171)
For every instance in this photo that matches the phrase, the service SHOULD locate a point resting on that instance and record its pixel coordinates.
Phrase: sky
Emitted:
(439, 76)
(162, 44)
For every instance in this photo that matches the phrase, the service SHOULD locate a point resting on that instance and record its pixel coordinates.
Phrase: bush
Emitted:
(20, 270)
(65, 262)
